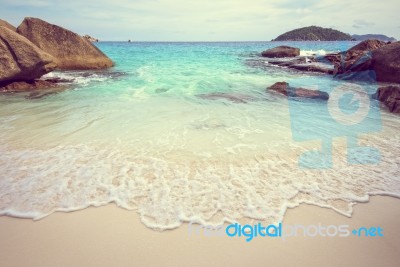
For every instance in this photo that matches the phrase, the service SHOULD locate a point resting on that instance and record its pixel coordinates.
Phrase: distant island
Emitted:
(314, 33)
(379, 37)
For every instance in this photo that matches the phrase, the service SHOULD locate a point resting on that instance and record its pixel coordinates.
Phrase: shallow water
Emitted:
(141, 136)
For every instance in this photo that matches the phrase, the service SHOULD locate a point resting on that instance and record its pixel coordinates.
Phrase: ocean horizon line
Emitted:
(140, 41)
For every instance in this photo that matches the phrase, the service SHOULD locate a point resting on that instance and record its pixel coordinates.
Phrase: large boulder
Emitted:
(285, 89)
(7, 25)
(390, 96)
(281, 51)
(357, 58)
(367, 45)
(70, 50)
(21, 60)
(369, 57)
(386, 63)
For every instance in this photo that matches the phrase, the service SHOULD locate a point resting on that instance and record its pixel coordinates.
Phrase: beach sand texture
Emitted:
(109, 236)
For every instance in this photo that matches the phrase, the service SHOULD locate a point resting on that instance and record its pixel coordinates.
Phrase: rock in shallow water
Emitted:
(370, 56)
(71, 51)
(390, 96)
(22, 86)
(281, 51)
(285, 89)
(346, 59)
(279, 87)
(20, 59)
(386, 63)
(313, 67)
(307, 64)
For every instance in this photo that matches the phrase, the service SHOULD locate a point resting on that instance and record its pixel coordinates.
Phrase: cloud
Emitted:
(360, 23)
(27, 3)
(303, 10)
(290, 4)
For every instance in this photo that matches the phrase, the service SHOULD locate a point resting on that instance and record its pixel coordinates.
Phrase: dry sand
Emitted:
(110, 236)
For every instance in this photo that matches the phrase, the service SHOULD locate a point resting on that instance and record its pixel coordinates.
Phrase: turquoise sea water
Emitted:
(148, 136)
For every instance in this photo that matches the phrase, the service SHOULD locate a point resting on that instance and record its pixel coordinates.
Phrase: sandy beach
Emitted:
(110, 236)
(166, 133)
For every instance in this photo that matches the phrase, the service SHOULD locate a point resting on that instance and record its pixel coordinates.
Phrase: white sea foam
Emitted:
(319, 52)
(165, 193)
(78, 77)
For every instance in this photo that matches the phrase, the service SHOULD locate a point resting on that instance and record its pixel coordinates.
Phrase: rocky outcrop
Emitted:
(4, 23)
(285, 89)
(346, 65)
(369, 57)
(36, 89)
(313, 67)
(21, 60)
(279, 56)
(356, 58)
(390, 96)
(367, 45)
(281, 51)
(22, 86)
(309, 64)
(90, 38)
(386, 63)
(70, 50)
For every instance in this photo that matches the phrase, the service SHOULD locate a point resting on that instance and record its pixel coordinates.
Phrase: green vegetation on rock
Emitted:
(314, 33)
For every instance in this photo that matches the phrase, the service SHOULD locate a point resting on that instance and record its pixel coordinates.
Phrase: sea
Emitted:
(187, 132)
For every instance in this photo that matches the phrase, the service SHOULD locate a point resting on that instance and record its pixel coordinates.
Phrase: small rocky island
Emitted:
(314, 33)
(380, 37)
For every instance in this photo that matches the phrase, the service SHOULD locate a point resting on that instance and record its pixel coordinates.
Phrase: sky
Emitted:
(206, 20)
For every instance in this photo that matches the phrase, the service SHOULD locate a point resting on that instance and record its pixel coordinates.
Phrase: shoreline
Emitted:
(279, 175)
(109, 235)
